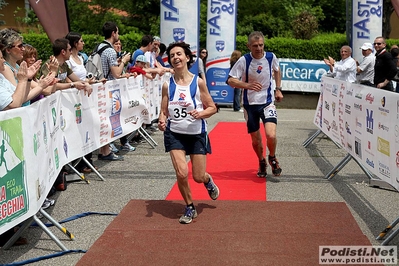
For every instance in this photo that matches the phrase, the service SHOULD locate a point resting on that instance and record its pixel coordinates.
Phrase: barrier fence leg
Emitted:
(338, 167)
(147, 137)
(387, 229)
(311, 138)
(17, 234)
(92, 168)
(57, 224)
(79, 174)
(49, 233)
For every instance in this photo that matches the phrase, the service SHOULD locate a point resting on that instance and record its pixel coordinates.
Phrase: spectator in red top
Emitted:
(139, 67)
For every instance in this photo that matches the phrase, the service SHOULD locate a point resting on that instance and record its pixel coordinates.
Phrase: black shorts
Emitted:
(191, 144)
(256, 112)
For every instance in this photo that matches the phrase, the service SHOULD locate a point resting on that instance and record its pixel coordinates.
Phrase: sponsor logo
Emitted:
(369, 98)
(179, 34)
(384, 169)
(383, 127)
(358, 147)
(219, 74)
(370, 162)
(219, 45)
(326, 105)
(348, 130)
(383, 146)
(347, 109)
(358, 106)
(369, 121)
(333, 108)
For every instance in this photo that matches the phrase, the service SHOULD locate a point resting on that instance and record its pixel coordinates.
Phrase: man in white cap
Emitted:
(365, 69)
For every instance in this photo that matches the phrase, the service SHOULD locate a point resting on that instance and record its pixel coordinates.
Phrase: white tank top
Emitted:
(183, 99)
(78, 69)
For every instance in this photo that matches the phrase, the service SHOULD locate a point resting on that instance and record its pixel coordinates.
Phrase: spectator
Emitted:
(76, 64)
(138, 69)
(67, 79)
(146, 45)
(162, 50)
(253, 73)
(395, 56)
(345, 69)
(13, 96)
(237, 91)
(365, 69)
(384, 67)
(13, 49)
(114, 69)
(153, 65)
(30, 57)
(201, 66)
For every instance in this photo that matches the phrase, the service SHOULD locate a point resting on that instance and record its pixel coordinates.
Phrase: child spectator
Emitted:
(139, 67)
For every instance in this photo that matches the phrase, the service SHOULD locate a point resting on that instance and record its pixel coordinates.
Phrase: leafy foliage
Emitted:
(304, 26)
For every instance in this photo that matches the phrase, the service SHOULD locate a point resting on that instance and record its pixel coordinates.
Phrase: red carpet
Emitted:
(147, 232)
(232, 164)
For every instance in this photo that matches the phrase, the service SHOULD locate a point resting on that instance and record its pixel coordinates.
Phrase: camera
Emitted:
(122, 54)
(89, 75)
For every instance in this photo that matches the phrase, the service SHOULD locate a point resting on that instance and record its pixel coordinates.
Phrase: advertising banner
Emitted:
(180, 23)
(365, 122)
(220, 43)
(38, 140)
(302, 75)
(366, 24)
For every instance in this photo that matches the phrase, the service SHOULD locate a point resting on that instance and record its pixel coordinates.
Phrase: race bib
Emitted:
(270, 111)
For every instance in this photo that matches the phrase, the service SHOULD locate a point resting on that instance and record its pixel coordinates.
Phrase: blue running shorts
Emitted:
(266, 112)
(192, 144)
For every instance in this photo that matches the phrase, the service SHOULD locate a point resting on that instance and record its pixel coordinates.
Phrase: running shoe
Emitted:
(127, 147)
(189, 214)
(275, 166)
(213, 190)
(262, 168)
(114, 149)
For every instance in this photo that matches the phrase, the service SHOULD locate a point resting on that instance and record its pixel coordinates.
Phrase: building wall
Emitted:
(8, 12)
(395, 26)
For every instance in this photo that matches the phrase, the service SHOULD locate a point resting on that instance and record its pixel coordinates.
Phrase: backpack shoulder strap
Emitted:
(96, 51)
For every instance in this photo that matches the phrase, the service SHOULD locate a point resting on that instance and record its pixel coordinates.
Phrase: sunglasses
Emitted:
(203, 52)
(19, 46)
(377, 43)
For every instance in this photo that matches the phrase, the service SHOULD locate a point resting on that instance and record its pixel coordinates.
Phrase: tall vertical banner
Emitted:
(180, 23)
(366, 24)
(53, 15)
(220, 43)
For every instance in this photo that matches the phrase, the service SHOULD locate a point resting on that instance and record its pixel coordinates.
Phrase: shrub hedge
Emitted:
(316, 48)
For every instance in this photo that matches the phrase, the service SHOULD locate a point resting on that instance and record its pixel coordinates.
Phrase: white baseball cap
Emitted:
(367, 46)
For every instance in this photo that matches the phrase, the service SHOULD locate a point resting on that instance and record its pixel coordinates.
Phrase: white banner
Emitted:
(180, 23)
(38, 140)
(302, 75)
(220, 43)
(364, 120)
(366, 24)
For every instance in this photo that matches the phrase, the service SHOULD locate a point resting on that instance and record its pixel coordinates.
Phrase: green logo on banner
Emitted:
(13, 197)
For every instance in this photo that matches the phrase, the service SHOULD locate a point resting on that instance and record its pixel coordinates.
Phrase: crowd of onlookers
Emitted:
(378, 67)
(24, 79)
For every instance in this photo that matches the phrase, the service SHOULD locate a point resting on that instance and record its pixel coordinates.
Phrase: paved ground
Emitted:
(148, 174)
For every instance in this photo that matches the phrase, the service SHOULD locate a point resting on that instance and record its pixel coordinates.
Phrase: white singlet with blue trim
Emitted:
(259, 71)
(183, 99)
